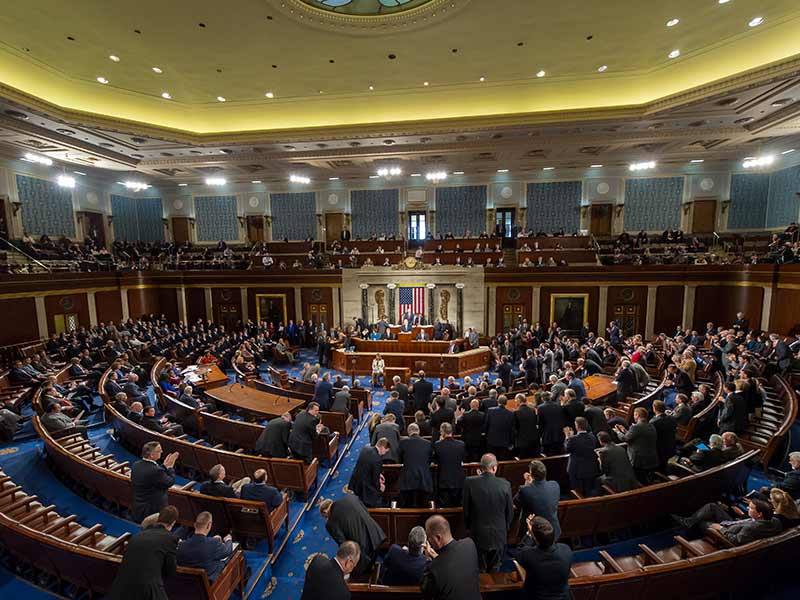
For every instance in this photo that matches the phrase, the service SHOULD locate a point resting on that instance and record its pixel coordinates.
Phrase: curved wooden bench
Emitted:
(779, 413)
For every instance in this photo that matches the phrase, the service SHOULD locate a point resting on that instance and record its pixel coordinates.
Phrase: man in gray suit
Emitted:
(760, 524)
(642, 442)
(640, 375)
(341, 401)
(556, 388)
(389, 429)
(617, 470)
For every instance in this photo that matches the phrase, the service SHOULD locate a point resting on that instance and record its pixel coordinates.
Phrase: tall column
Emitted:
(536, 303)
(650, 318)
(298, 306)
(687, 319)
(92, 305)
(41, 316)
(364, 302)
(245, 307)
(123, 296)
(602, 308)
(180, 293)
(431, 312)
(392, 301)
(335, 309)
(766, 308)
(209, 305)
(491, 307)
(460, 308)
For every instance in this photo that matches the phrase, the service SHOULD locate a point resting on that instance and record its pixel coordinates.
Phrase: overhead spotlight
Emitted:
(389, 171)
(789, 151)
(696, 160)
(136, 186)
(602, 68)
(374, 176)
(548, 168)
(761, 161)
(221, 99)
(166, 96)
(102, 80)
(416, 175)
(269, 95)
(595, 166)
(755, 22)
(300, 179)
(215, 181)
(436, 176)
(256, 181)
(157, 70)
(333, 179)
(642, 166)
(541, 74)
(371, 88)
(673, 22)
(66, 181)
(482, 79)
(674, 54)
(458, 172)
(426, 83)
(114, 58)
(35, 158)
(182, 184)
(502, 170)
(723, 1)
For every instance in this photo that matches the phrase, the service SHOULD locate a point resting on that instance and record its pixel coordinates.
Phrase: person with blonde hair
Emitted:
(785, 508)
(377, 369)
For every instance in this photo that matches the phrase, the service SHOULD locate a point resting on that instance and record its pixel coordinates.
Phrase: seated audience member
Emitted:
(733, 416)
(159, 424)
(546, 565)
(203, 551)
(539, 496)
(682, 411)
(705, 456)
(259, 491)
(326, 577)
(612, 418)
(791, 481)
(55, 421)
(405, 565)
(731, 448)
(217, 487)
(453, 572)
(348, 519)
(618, 473)
(760, 523)
(785, 508)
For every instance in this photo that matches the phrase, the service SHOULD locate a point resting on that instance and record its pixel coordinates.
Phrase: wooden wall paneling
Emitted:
(23, 327)
(227, 305)
(143, 301)
(632, 300)
(69, 303)
(168, 303)
(513, 297)
(594, 300)
(669, 308)
(720, 303)
(314, 297)
(785, 317)
(195, 304)
(109, 306)
(288, 292)
(181, 229)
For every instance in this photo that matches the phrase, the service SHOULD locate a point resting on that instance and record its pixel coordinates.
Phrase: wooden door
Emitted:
(4, 229)
(93, 227)
(704, 216)
(180, 230)
(318, 313)
(334, 223)
(600, 221)
(512, 315)
(255, 229)
(627, 315)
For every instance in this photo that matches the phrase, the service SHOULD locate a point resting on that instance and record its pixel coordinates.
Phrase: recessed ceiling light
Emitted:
(674, 54)
(697, 160)
(256, 181)
(373, 176)
(789, 151)
(66, 181)
(416, 175)
(333, 179)
(372, 87)
(102, 80)
(458, 172)
(35, 158)
(602, 68)
(502, 170)
(321, 91)
(215, 181)
(673, 22)
(541, 74)
(157, 70)
(166, 96)
(755, 22)
(299, 179)
(182, 184)
(548, 168)
(221, 99)
(79, 173)
(269, 95)
(642, 166)
(114, 58)
(426, 83)
(595, 166)
(482, 79)
(723, 1)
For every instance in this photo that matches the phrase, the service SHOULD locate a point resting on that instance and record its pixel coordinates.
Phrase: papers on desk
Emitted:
(189, 369)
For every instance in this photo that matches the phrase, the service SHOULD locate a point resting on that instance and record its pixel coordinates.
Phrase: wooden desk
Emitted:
(407, 336)
(434, 364)
(599, 387)
(254, 401)
(413, 346)
(214, 377)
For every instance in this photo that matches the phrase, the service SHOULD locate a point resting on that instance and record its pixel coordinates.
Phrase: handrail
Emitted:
(25, 254)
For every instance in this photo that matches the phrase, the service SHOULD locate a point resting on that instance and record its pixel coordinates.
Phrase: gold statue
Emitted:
(444, 300)
(380, 300)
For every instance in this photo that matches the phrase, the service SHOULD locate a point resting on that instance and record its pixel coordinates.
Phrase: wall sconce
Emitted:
(109, 219)
(687, 207)
(618, 212)
(16, 206)
(241, 221)
(725, 205)
(268, 219)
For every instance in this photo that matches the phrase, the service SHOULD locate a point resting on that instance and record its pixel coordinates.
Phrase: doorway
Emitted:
(65, 322)
(180, 230)
(627, 315)
(334, 225)
(512, 315)
(704, 215)
(600, 219)
(417, 225)
(255, 228)
(93, 228)
(504, 219)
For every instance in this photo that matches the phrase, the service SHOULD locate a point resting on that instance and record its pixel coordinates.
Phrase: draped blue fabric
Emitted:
(216, 218)
(653, 204)
(293, 215)
(461, 209)
(137, 218)
(553, 206)
(782, 203)
(46, 207)
(375, 211)
(749, 196)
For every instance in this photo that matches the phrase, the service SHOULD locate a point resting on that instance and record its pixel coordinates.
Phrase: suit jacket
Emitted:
(596, 418)
(707, 459)
(500, 427)
(454, 574)
(572, 410)
(504, 372)
(749, 530)
(551, 422)
(526, 428)
(149, 558)
(365, 478)
(392, 433)
(323, 392)
(642, 445)
(261, 492)
(112, 388)
(582, 459)
(580, 389)
(401, 568)
(617, 468)
(442, 415)
(416, 455)
(218, 489)
(488, 510)
(397, 408)
(274, 440)
(546, 572)
(150, 483)
(402, 391)
(341, 402)
(733, 416)
(666, 426)
(556, 390)
(324, 579)
(304, 432)
(540, 498)
(350, 520)
(449, 454)
(791, 483)
(626, 382)
(422, 390)
(470, 426)
(204, 552)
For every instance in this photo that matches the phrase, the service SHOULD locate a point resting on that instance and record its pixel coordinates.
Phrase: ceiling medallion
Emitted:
(370, 16)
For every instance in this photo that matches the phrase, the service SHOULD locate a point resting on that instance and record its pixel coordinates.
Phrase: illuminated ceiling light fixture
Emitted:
(723, 1)
(595, 166)
(697, 160)
(333, 179)
(416, 175)
(216, 181)
(761, 161)
(35, 158)
(256, 181)
(482, 79)
(300, 179)
(389, 171)
(269, 95)
(373, 176)
(114, 58)
(673, 22)
(502, 170)
(66, 181)
(102, 80)
(436, 176)
(371, 88)
(157, 70)
(182, 184)
(166, 96)
(674, 54)
(541, 74)
(458, 172)
(642, 166)
(80, 173)
(755, 22)
(136, 186)
(221, 99)
(426, 83)
(789, 151)
(602, 68)
(548, 168)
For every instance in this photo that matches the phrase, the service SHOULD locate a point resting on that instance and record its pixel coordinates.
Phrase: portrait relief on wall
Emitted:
(570, 311)
(444, 302)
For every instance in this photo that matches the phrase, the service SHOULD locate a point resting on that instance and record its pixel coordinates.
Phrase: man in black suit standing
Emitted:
(626, 384)
(551, 424)
(441, 414)
(642, 449)
(449, 455)
(499, 430)
(150, 481)
(666, 426)
(149, 557)
(526, 429)
(488, 513)
(470, 425)
(539, 496)
(422, 390)
(416, 483)
(453, 573)
(504, 371)
(274, 440)
(346, 519)
(615, 465)
(395, 406)
(582, 466)
(366, 480)
(323, 392)
(400, 387)
(307, 427)
(325, 577)
(547, 564)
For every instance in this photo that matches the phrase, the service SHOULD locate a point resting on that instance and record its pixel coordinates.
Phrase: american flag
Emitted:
(412, 299)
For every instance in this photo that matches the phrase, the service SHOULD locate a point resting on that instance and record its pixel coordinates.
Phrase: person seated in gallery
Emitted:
(378, 366)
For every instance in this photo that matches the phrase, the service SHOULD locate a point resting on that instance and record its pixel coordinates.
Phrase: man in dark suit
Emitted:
(259, 491)
(539, 496)
(449, 455)
(395, 406)
(782, 354)
(341, 401)
(323, 392)
(325, 577)
(741, 323)
(441, 414)
(551, 425)
(112, 387)
(274, 440)
(532, 368)
(471, 425)
(400, 387)
(547, 564)
(576, 385)
(626, 384)
(150, 481)
(158, 424)
(346, 519)
(733, 416)
(216, 486)
(572, 407)
(366, 480)
(307, 427)
(642, 445)
(134, 392)
(666, 427)
(150, 556)
(615, 465)
(453, 573)
(760, 523)
(488, 512)
(202, 551)
(416, 482)
(500, 430)
(422, 389)
(582, 467)
(405, 566)
(526, 429)
(505, 371)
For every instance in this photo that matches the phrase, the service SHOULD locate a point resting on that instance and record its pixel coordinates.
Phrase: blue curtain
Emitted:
(46, 207)
(216, 218)
(749, 196)
(782, 199)
(653, 204)
(461, 209)
(554, 206)
(374, 211)
(137, 218)
(294, 215)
